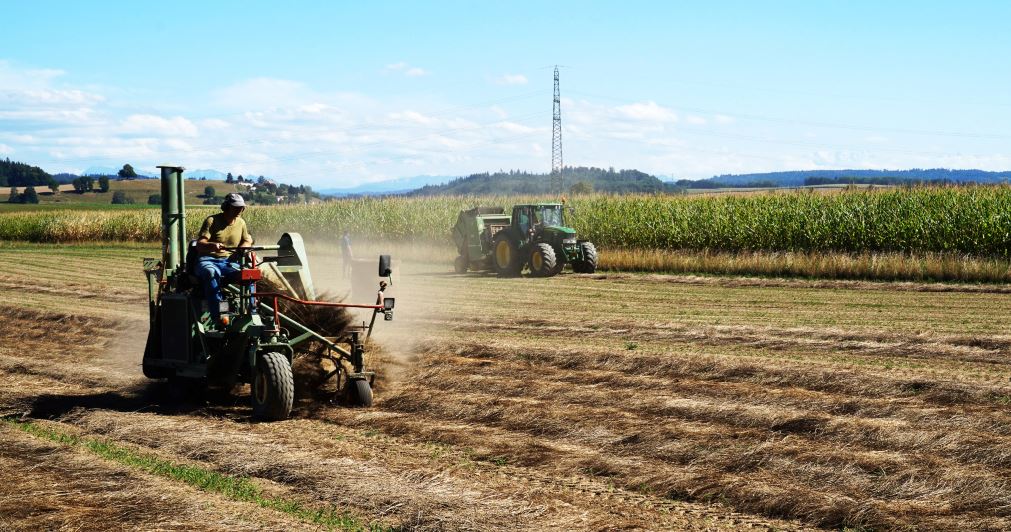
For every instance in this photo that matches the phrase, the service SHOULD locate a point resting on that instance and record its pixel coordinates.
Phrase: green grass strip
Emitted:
(235, 488)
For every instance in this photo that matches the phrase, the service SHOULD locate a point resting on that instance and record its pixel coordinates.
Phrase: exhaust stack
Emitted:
(173, 218)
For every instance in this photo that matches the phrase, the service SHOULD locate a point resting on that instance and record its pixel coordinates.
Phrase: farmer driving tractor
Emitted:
(219, 235)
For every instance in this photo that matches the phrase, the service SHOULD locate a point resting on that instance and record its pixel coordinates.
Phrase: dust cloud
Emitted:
(415, 316)
(121, 353)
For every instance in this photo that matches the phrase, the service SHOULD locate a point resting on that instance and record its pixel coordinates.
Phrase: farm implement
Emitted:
(257, 335)
(534, 236)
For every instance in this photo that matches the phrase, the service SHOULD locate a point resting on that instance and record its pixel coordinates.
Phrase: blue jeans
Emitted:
(213, 272)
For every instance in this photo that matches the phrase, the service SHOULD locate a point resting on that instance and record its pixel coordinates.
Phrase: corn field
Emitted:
(968, 220)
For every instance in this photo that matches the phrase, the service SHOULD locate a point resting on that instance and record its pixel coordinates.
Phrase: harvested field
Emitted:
(575, 402)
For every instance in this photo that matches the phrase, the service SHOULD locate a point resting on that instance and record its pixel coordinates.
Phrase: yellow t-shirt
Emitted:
(217, 229)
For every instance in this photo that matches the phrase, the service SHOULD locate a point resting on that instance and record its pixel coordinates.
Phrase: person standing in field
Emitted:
(346, 254)
(221, 231)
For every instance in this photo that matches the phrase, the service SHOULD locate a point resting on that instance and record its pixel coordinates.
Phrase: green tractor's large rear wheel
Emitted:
(543, 261)
(588, 264)
(273, 387)
(506, 256)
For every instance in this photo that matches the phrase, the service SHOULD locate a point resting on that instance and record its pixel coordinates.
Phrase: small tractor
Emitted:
(534, 235)
(253, 341)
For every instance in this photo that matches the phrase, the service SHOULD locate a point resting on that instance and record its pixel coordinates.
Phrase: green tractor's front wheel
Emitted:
(588, 264)
(273, 387)
(543, 261)
(506, 256)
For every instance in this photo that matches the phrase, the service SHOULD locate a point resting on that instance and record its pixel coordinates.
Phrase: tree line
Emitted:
(15, 174)
(577, 180)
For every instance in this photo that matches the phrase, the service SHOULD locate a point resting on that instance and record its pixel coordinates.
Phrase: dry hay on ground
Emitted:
(691, 404)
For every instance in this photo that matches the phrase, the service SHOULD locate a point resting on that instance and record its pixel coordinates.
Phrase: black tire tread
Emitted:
(589, 262)
(358, 393)
(513, 269)
(550, 260)
(280, 387)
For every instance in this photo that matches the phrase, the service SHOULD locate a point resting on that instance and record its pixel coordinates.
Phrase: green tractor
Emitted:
(534, 236)
(253, 341)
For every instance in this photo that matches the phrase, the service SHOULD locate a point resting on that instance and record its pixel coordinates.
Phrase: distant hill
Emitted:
(390, 186)
(111, 171)
(823, 177)
(65, 177)
(520, 182)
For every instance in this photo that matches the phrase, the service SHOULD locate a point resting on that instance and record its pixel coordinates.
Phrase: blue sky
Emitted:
(338, 93)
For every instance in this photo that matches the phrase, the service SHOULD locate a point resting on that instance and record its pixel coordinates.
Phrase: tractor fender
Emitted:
(280, 347)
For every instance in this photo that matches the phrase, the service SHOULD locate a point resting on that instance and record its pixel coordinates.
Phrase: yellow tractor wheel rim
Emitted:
(537, 261)
(503, 254)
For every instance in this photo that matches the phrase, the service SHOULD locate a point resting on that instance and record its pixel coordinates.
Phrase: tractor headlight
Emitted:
(569, 242)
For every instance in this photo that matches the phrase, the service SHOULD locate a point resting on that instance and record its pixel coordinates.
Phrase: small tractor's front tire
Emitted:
(358, 392)
(460, 264)
(273, 387)
(588, 264)
(543, 261)
(506, 256)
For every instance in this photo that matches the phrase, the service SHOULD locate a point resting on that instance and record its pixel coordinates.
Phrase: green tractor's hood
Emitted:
(560, 232)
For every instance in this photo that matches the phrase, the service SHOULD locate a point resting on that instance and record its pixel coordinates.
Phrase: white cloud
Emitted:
(647, 112)
(33, 99)
(13, 78)
(406, 70)
(499, 112)
(263, 93)
(413, 117)
(513, 127)
(158, 125)
(315, 108)
(51, 97)
(303, 134)
(214, 123)
(48, 117)
(513, 79)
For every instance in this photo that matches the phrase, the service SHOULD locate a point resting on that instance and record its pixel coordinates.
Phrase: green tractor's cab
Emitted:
(534, 235)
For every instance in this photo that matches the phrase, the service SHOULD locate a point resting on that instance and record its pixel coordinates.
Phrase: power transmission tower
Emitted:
(557, 182)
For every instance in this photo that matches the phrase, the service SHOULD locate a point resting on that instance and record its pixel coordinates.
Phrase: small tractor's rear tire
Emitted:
(358, 392)
(543, 262)
(506, 256)
(273, 387)
(588, 264)
(460, 264)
